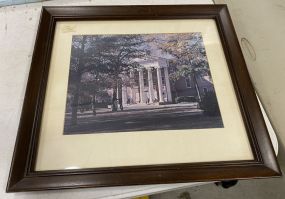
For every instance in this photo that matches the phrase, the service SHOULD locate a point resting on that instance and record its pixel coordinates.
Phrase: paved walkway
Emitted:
(142, 117)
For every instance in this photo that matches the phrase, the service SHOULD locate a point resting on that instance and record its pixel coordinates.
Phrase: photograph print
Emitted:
(139, 82)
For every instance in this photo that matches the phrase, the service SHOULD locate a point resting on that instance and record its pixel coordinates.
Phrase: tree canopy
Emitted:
(100, 62)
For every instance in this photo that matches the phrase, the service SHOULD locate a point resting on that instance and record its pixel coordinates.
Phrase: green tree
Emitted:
(189, 56)
(77, 68)
(119, 54)
(99, 62)
(83, 61)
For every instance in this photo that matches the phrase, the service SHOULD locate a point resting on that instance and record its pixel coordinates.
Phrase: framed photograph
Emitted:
(132, 95)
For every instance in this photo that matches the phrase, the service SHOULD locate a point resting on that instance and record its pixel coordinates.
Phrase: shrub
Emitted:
(209, 104)
(185, 99)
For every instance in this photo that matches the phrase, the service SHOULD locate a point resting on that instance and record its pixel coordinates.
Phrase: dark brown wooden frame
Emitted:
(23, 176)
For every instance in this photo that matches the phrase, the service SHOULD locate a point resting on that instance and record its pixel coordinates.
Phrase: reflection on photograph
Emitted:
(139, 82)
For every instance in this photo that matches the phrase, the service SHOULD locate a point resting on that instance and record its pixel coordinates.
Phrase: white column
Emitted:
(150, 85)
(132, 82)
(124, 95)
(132, 75)
(167, 83)
(117, 91)
(134, 97)
(141, 84)
(158, 70)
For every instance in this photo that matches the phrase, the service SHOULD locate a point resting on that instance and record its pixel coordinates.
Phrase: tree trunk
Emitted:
(120, 96)
(176, 94)
(74, 104)
(196, 87)
(114, 99)
(94, 104)
(77, 84)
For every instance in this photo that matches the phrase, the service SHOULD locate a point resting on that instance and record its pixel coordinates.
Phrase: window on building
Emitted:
(188, 82)
(145, 82)
(163, 80)
(136, 78)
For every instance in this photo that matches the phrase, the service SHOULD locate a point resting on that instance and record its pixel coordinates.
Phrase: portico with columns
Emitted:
(149, 84)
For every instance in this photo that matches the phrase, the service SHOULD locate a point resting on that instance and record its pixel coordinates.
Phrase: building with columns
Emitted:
(149, 84)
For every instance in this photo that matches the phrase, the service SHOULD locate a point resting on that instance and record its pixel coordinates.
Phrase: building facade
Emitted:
(151, 84)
